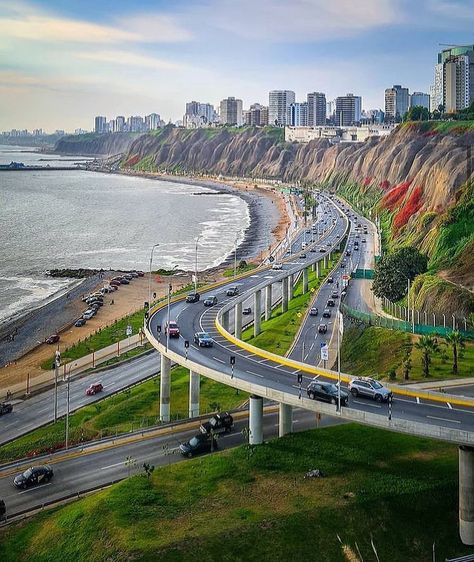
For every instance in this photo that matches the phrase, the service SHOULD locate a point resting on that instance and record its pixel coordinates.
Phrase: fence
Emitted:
(401, 325)
(363, 274)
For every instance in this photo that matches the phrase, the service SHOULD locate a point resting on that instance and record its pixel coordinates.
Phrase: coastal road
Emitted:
(88, 470)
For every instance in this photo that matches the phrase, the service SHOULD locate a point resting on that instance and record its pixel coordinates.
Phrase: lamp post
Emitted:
(196, 264)
(235, 255)
(170, 287)
(149, 276)
(67, 407)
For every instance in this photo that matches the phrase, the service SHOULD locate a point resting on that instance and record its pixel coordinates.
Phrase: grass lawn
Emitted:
(279, 332)
(248, 267)
(375, 351)
(123, 412)
(255, 504)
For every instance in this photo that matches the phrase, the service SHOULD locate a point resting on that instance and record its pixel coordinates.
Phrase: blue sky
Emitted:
(62, 62)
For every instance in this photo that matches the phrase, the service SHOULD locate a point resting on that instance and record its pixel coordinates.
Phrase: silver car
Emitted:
(365, 386)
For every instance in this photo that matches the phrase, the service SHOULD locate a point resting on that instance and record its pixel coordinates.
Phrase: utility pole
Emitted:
(57, 362)
(67, 409)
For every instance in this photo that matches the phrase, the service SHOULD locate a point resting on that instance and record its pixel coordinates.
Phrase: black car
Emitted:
(193, 297)
(219, 423)
(80, 322)
(246, 311)
(327, 313)
(331, 303)
(326, 392)
(232, 291)
(5, 408)
(302, 256)
(200, 443)
(322, 328)
(33, 476)
(330, 280)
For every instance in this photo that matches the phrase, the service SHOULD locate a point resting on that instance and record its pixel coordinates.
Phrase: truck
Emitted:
(5, 408)
(219, 423)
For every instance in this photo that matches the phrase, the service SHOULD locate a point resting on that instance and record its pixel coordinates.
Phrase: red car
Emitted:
(94, 388)
(53, 339)
(173, 329)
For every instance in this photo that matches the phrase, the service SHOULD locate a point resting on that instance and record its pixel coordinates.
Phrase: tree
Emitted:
(149, 469)
(428, 345)
(417, 113)
(456, 341)
(393, 270)
(406, 363)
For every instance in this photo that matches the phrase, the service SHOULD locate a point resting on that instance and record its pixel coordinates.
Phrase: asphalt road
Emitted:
(90, 470)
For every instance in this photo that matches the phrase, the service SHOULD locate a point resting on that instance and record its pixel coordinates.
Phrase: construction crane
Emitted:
(448, 45)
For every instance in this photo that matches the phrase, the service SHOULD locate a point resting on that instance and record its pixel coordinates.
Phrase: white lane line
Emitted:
(217, 359)
(417, 400)
(112, 465)
(366, 404)
(443, 419)
(33, 489)
(256, 374)
(449, 405)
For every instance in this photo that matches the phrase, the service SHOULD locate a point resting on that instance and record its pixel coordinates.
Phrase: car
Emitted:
(200, 443)
(96, 303)
(302, 256)
(94, 388)
(5, 408)
(95, 307)
(80, 322)
(322, 249)
(304, 244)
(52, 339)
(334, 295)
(193, 297)
(357, 235)
(327, 313)
(277, 266)
(172, 329)
(211, 300)
(312, 250)
(134, 274)
(124, 281)
(364, 240)
(140, 273)
(115, 284)
(356, 248)
(203, 339)
(33, 476)
(246, 311)
(330, 280)
(232, 291)
(127, 276)
(331, 303)
(365, 386)
(219, 423)
(88, 314)
(313, 311)
(322, 328)
(348, 253)
(326, 392)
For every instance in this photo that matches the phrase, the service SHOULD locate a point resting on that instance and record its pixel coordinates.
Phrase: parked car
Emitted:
(210, 300)
(327, 313)
(232, 291)
(124, 281)
(33, 476)
(326, 392)
(88, 314)
(80, 322)
(94, 388)
(5, 408)
(331, 303)
(313, 311)
(140, 273)
(219, 423)
(127, 276)
(200, 443)
(277, 266)
(203, 339)
(322, 328)
(193, 297)
(52, 339)
(172, 329)
(365, 386)
(246, 311)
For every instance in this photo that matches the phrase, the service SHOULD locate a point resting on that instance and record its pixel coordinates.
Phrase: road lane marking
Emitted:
(217, 359)
(417, 400)
(449, 405)
(36, 488)
(443, 419)
(256, 374)
(366, 404)
(121, 463)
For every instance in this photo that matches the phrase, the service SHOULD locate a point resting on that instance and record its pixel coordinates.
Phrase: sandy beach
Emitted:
(268, 211)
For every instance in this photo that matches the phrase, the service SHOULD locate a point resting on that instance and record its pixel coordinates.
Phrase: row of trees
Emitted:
(428, 345)
(420, 113)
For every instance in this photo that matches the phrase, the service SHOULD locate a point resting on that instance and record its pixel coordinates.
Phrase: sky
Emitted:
(62, 62)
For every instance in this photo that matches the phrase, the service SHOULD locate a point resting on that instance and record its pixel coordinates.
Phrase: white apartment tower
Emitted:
(231, 111)
(278, 103)
(397, 101)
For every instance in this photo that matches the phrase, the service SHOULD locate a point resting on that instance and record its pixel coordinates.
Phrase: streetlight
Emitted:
(149, 277)
(196, 264)
(168, 312)
(235, 255)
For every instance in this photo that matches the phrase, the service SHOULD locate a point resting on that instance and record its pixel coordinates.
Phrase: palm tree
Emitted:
(456, 341)
(428, 345)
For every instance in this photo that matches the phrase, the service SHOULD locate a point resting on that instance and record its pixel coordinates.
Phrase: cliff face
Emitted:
(95, 145)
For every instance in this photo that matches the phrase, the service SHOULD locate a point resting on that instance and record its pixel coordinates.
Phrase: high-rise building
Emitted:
(152, 121)
(278, 103)
(397, 101)
(120, 124)
(256, 115)
(231, 111)
(420, 98)
(135, 124)
(297, 115)
(348, 110)
(453, 86)
(331, 112)
(199, 114)
(316, 109)
(100, 124)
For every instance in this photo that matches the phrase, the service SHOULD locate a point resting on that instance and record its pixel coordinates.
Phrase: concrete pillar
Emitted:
(466, 494)
(313, 267)
(318, 269)
(305, 280)
(284, 295)
(291, 282)
(225, 320)
(285, 420)
(257, 312)
(268, 301)
(325, 262)
(238, 320)
(194, 391)
(329, 256)
(255, 420)
(165, 384)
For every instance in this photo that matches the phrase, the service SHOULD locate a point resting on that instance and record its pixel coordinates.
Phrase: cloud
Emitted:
(455, 9)
(129, 59)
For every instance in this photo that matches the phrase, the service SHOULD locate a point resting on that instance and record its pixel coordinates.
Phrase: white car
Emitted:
(277, 266)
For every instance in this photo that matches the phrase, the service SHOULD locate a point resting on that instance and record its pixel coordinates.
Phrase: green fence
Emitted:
(363, 274)
(402, 325)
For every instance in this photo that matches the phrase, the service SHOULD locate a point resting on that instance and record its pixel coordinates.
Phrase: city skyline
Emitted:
(59, 67)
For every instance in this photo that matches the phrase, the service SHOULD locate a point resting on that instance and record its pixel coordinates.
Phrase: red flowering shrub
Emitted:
(133, 160)
(412, 205)
(395, 196)
(385, 184)
(367, 181)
